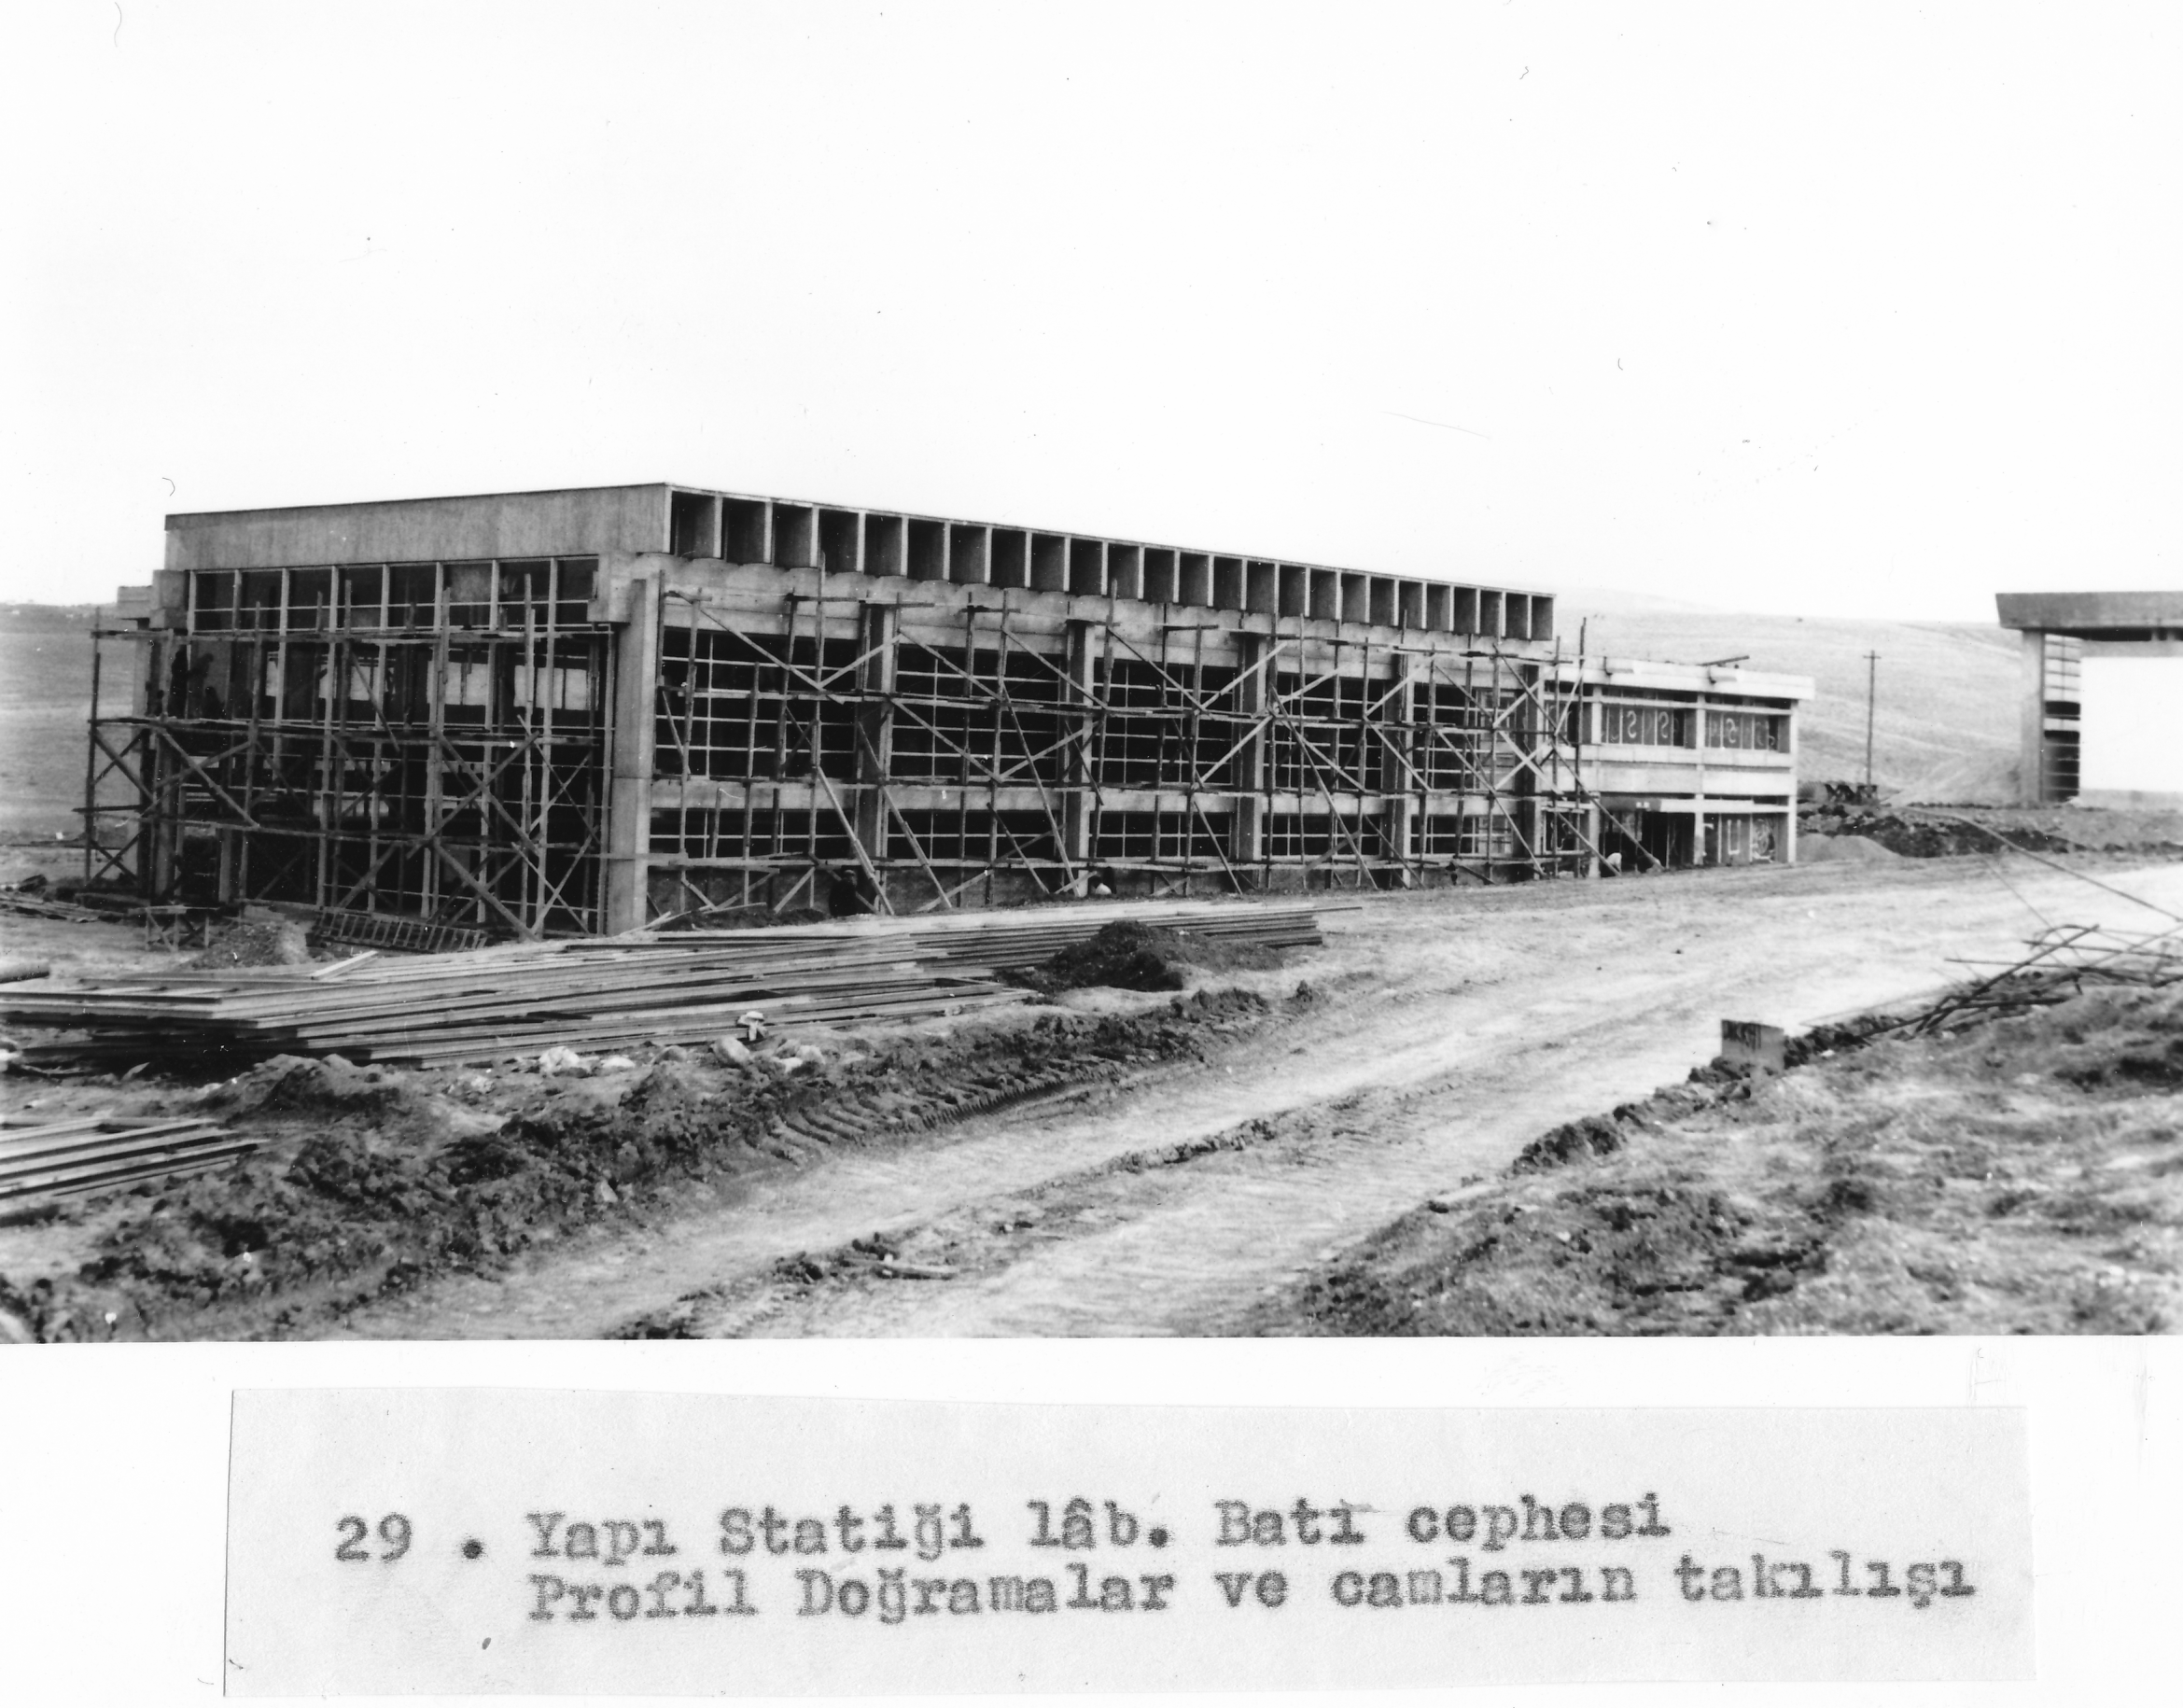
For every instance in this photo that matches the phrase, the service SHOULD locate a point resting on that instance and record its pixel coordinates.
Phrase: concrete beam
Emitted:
(2087, 613)
(423, 531)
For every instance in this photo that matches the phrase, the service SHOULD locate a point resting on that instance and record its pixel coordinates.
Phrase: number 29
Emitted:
(394, 1530)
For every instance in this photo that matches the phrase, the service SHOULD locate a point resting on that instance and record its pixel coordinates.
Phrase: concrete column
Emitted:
(636, 666)
(1247, 816)
(1522, 804)
(1076, 797)
(877, 626)
(158, 854)
(1401, 712)
(2031, 777)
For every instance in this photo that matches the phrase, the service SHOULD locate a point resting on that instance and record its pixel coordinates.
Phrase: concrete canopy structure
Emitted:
(2060, 631)
(599, 709)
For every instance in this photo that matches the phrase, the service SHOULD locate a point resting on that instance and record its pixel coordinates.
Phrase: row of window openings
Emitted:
(978, 836)
(382, 801)
(565, 830)
(497, 593)
(1327, 724)
(1660, 726)
(765, 740)
(712, 688)
(398, 689)
(1731, 839)
(696, 656)
(404, 882)
(941, 677)
(398, 788)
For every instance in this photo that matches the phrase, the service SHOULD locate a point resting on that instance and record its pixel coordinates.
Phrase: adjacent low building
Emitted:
(2060, 631)
(601, 708)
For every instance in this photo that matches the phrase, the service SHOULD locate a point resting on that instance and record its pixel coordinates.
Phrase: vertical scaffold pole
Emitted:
(90, 757)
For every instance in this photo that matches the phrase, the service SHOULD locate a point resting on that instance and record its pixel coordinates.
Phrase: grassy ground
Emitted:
(2019, 1177)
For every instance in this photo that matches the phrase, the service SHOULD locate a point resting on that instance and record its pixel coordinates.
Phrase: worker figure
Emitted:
(1611, 866)
(850, 893)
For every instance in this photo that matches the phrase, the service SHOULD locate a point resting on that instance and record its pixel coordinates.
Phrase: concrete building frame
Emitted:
(600, 709)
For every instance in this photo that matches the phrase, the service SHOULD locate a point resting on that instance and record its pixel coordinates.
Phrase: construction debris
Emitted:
(22, 900)
(2064, 962)
(593, 994)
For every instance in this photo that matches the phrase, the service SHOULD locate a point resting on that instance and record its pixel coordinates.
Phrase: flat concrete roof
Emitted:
(547, 521)
(2135, 615)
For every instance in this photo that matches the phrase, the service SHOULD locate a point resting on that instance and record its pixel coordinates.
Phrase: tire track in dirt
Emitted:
(1111, 1249)
(1449, 1033)
(591, 1282)
(1129, 1251)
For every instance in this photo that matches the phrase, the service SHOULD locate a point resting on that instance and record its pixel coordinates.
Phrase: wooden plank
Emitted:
(136, 1174)
(627, 989)
(14, 1183)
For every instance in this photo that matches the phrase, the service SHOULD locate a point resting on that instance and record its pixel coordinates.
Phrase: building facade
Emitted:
(602, 708)
(2059, 632)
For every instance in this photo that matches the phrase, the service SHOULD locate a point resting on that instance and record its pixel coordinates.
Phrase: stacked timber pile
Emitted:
(1026, 936)
(93, 1153)
(590, 993)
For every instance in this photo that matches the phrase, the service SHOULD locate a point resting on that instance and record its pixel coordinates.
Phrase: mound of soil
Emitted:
(392, 1184)
(324, 1092)
(1917, 837)
(1130, 956)
(1593, 1136)
(1124, 956)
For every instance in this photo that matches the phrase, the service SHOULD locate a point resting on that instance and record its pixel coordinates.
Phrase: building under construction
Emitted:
(595, 709)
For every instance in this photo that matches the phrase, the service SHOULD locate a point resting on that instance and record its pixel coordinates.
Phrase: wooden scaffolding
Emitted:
(425, 741)
(987, 752)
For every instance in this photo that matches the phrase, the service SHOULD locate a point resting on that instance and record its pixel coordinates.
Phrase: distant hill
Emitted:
(1624, 599)
(1945, 726)
(44, 709)
(48, 619)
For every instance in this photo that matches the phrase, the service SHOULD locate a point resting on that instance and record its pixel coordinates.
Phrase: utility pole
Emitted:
(1871, 695)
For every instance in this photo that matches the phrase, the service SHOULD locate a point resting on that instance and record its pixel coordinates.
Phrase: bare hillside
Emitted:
(44, 703)
(1945, 728)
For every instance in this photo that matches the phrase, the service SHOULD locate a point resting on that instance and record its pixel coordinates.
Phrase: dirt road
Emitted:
(1450, 1028)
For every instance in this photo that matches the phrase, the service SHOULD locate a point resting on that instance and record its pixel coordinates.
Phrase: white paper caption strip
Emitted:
(457, 1541)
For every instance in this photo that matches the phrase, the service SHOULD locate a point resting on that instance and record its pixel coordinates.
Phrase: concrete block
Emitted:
(1749, 1041)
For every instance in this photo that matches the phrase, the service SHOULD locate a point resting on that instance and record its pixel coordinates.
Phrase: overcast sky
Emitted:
(1819, 309)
